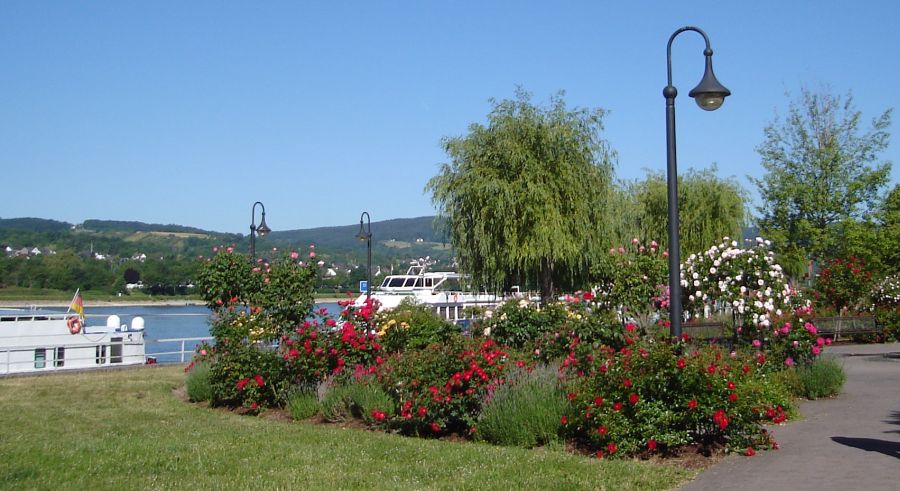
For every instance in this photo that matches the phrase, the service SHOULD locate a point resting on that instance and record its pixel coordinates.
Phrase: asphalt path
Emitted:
(850, 442)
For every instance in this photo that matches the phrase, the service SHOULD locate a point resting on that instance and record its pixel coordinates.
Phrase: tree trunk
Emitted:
(546, 281)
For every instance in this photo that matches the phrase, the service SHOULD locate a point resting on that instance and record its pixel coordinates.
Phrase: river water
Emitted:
(168, 322)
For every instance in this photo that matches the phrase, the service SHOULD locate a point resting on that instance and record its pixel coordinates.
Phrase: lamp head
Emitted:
(709, 93)
(263, 229)
(362, 235)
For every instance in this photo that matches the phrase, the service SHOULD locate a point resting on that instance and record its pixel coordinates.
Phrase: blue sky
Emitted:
(188, 112)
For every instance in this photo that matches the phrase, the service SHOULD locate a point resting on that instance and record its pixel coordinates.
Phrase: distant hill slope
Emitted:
(131, 227)
(344, 237)
(34, 225)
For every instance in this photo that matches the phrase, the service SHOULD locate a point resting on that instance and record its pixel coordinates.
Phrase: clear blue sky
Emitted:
(188, 112)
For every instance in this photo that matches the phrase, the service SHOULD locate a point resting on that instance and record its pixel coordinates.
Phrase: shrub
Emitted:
(302, 402)
(525, 411)
(440, 389)
(197, 383)
(360, 398)
(823, 378)
(411, 326)
(658, 395)
(517, 323)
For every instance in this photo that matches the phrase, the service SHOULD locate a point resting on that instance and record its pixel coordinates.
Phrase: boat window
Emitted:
(115, 350)
(7, 319)
(418, 283)
(428, 283)
(449, 285)
(40, 318)
(396, 282)
(385, 282)
(101, 354)
(60, 358)
(40, 358)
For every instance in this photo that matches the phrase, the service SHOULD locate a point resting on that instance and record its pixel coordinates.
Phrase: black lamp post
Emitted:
(710, 95)
(365, 233)
(262, 230)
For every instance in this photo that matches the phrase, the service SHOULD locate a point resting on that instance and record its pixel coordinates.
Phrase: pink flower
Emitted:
(653, 243)
(820, 341)
(815, 350)
(621, 250)
(612, 250)
(230, 250)
(827, 341)
(789, 361)
(757, 343)
(295, 255)
(665, 253)
(312, 254)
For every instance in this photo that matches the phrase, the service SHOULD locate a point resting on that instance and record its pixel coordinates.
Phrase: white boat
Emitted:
(44, 341)
(441, 290)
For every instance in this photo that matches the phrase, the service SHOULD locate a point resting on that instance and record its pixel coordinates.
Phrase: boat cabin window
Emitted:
(449, 285)
(115, 350)
(60, 358)
(40, 358)
(397, 282)
(428, 282)
(101, 354)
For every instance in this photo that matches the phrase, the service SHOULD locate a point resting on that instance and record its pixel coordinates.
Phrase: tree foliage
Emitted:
(523, 195)
(822, 169)
(710, 207)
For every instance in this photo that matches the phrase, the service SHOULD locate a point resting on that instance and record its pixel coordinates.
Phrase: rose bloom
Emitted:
(692, 404)
(651, 444)
(633, 398)
(617, 406)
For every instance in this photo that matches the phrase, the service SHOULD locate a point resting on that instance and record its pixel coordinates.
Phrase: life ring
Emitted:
(74, 324)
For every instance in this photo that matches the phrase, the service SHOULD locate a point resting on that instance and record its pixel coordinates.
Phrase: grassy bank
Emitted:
(125, 429)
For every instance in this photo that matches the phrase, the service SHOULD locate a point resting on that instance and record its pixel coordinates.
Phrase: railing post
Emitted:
(182, 351)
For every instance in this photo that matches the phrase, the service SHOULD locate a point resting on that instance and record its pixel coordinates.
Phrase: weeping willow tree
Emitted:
(710, 208)
(523, 195)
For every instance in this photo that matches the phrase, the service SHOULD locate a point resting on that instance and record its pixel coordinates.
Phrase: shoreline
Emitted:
(26, 304)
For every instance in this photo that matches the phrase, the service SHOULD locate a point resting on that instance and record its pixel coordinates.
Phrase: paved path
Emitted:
(851, 442)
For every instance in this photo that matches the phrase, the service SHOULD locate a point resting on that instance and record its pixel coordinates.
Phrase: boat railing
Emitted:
(186, 348)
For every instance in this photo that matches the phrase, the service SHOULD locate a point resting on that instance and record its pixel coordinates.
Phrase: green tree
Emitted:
(822, 169)
(889, 233)
(523, 195)
(710, 207)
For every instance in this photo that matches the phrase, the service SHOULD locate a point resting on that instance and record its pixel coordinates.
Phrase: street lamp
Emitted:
(262, 230)
(710, 95)
(365, 233)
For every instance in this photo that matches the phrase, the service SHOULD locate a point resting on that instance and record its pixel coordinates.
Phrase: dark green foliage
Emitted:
(526, 410)
(410, 326)
(355, 398)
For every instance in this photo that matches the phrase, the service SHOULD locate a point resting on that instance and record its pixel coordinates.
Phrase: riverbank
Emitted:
(24, 304)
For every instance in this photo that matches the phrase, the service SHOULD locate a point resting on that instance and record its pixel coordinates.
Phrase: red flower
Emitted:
(651, 445)
(711, 369)
(681, 363)
(611, 448)
(630, 328)
(627, 383)
(692, 404)
(241, 383)
(588, 296)
(571, 396)
(378, 415)
(617, 406)
(745, 369)
(721, 419)
(598, 401)
(259, 380)
(254, 406)
(435, 427)
(633, 398)
(599, 454)
(564, 420)
(749, 452)
(422, 411)
(601, 430)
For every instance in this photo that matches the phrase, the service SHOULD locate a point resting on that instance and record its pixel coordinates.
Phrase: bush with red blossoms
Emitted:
(670, 395)
(441, 388)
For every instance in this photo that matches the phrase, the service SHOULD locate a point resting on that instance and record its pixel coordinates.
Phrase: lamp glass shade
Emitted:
(709, 93)
(263, 229)
(362, 232)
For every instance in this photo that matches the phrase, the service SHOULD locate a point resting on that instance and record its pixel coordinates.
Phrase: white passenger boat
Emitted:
(441, 290)
(43, 341)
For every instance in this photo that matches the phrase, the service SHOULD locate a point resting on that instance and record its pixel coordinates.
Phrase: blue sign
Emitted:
(363, 286)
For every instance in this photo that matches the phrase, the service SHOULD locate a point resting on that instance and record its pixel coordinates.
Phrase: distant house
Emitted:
(330, 272)
(139, 257)
(35, 252)
(99, 257)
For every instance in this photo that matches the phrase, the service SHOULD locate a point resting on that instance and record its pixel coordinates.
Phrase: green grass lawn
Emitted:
(126, 429)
